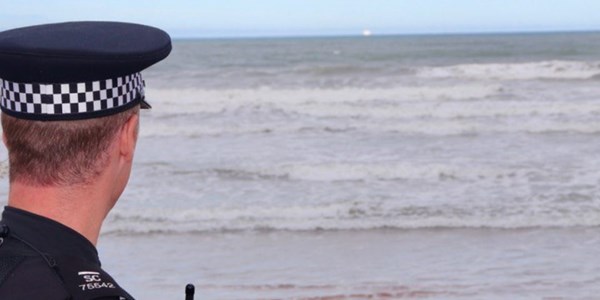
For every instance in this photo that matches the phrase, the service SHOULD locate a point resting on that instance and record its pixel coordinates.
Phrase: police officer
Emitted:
(70, 95)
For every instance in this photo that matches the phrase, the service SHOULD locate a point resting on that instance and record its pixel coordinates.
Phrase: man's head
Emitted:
(70, 94)
(67, 153)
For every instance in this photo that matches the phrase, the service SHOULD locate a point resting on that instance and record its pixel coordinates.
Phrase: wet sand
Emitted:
(376, 264)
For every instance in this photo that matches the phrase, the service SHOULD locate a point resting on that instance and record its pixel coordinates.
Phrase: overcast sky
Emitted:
(227, 18)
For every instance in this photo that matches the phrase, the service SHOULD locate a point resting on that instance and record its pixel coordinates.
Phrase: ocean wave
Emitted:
(341, 70)
(445, 127)
(431, 110)
(193, 101)
(555, 69)
(340, 171)
(346, 215)
(332, 172)
(452, 110)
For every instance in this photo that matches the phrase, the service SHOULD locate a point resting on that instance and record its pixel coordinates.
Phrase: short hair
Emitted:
(60, 153)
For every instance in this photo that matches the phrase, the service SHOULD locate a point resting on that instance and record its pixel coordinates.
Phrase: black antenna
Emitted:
(189, 292)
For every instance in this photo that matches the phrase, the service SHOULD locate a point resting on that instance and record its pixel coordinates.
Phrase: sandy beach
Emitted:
(380, 264)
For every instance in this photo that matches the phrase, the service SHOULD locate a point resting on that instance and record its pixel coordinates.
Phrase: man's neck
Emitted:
(82, 208)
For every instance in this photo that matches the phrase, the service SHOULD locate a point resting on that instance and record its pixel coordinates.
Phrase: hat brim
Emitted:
(144, 104)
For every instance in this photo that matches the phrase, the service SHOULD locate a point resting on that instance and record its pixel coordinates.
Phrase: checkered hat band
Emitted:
(66, 99)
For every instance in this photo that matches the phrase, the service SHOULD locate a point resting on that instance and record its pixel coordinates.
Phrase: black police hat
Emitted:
(76, 70)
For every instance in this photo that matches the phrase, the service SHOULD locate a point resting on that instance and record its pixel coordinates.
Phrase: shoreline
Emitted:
(430, 264)
(389, 230)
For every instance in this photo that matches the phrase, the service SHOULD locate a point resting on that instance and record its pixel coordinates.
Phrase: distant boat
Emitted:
(367, 32)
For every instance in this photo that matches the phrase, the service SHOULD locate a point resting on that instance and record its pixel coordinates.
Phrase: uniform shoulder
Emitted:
(27, 274)
(30, 277)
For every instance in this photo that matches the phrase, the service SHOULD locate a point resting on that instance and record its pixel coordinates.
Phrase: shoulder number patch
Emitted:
(93, 281)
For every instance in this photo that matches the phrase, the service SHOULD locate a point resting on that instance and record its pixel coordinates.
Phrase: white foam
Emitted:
(348, 215)
(450, 110)
(388, 195)
(532, 120)
(432, 110)
(394, 170)
(469, 127)
(190, 101)
(555, 69)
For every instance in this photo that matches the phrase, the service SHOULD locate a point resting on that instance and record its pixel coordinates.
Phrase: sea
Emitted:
(382, 167)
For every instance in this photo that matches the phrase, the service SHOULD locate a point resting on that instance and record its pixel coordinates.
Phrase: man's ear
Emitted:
(128, 137)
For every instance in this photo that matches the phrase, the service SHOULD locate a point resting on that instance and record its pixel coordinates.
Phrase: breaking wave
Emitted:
(516, 71)
(430, 110)
(347, 215)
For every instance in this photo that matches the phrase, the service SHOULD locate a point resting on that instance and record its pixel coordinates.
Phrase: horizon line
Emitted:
(375, 35)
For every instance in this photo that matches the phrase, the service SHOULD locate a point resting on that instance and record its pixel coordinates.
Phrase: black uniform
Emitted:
(43, 259)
